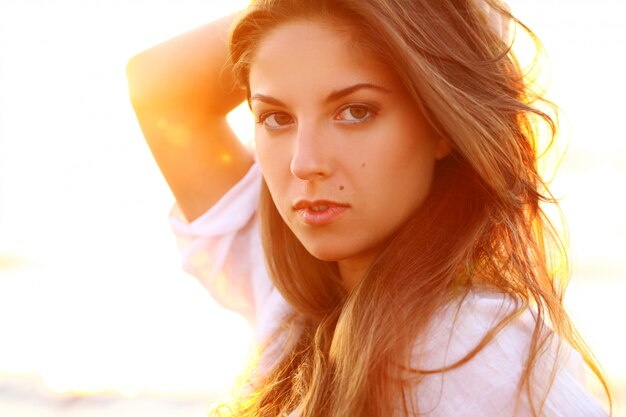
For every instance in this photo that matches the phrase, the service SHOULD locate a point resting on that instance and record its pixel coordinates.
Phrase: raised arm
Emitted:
(181, 91)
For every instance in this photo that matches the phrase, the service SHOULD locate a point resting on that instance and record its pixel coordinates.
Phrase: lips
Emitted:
(319, 212)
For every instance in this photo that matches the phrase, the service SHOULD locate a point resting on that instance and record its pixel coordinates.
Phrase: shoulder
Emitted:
(222, 248)
(230, 214)
(485, 381)
(459, 326)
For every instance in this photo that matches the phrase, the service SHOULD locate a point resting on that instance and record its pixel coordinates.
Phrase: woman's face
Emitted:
(345, 153)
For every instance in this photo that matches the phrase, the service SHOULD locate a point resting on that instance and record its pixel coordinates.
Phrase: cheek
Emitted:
(418, 174)
(272, 160)
(406, 174)
(275, 167)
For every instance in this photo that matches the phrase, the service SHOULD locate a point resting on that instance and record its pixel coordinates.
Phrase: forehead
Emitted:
(304, 53)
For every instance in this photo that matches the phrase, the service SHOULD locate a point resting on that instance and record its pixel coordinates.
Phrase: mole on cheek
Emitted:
(363, 165)
(341, 187)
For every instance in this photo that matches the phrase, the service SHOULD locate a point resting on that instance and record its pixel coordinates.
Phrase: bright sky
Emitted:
(104, 304)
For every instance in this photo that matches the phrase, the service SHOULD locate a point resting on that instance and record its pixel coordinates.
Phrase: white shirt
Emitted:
(222, 249)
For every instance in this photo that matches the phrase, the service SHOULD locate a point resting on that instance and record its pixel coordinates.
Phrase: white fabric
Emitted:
(487, 384)
(222, 248)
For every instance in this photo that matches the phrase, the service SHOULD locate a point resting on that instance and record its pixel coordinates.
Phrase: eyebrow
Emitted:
(334, 96)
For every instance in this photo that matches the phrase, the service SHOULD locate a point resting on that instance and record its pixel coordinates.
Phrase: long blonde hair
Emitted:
(482, 224)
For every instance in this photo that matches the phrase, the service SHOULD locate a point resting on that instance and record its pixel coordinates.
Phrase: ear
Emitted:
(443, 147)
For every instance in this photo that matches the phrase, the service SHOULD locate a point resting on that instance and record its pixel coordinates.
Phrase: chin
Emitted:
(337, 250)
(326, 253)
(325, 256)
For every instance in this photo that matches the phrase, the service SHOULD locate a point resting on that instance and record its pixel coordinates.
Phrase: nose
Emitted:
(311, 156)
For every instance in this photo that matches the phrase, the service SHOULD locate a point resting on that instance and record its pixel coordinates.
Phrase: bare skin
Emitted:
(345, 152)
(181, 91)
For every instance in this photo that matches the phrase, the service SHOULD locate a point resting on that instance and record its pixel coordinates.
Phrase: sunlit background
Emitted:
(96, 316)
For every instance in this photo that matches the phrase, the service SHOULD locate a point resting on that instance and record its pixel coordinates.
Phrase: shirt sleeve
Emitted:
(222, 247)
(487, 385)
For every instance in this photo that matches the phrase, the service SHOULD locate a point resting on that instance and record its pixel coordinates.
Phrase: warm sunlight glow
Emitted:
(176, 133)
(107, 307)
(92, 295)
(242, 123)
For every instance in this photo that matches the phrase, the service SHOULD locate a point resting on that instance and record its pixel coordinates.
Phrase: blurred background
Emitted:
(96, 316)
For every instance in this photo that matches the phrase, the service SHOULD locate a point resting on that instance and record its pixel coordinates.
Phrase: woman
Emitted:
(410, 260)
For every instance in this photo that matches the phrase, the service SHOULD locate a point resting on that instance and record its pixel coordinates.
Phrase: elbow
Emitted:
(133, 77)
(143, 81)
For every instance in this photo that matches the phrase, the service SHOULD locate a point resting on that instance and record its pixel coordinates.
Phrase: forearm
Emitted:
(190, 71)
(181, 91)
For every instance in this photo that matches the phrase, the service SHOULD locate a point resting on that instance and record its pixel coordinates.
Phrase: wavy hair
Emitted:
(482, 224)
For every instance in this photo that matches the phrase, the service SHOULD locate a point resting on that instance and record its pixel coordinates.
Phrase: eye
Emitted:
(276, 120)
(355, 113)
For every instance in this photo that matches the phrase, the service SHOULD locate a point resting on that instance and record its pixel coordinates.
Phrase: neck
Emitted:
(353, 270)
